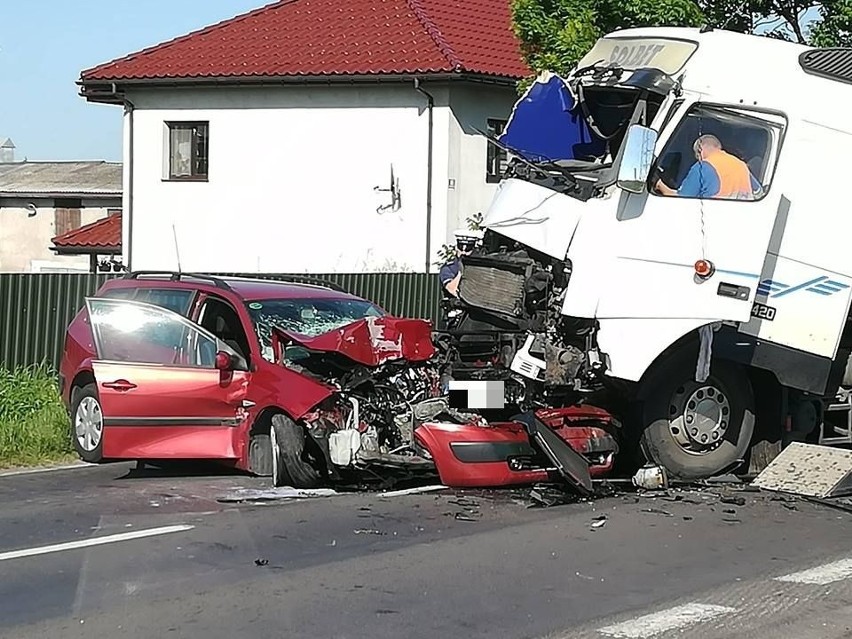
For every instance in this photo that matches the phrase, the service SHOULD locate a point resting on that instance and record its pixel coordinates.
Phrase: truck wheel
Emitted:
(293, 460)
(695, 430)
(87, 424)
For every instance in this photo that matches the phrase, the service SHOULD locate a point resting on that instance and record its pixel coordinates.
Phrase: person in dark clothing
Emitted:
(450, 273)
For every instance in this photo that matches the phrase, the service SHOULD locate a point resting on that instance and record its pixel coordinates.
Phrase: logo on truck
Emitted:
(819, 285)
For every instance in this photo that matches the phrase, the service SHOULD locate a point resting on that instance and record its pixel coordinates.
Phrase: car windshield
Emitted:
(309, 317)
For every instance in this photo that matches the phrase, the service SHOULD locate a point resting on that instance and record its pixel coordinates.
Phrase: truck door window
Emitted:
(749, 141)
(220, 318)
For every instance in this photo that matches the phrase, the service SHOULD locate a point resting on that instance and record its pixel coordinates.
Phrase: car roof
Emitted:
(248, 289)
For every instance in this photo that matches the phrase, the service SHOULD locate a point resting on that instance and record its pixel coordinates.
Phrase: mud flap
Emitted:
(573, 467)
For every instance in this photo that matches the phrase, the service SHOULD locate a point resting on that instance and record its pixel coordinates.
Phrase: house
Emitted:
(41, 201)
(313, 135)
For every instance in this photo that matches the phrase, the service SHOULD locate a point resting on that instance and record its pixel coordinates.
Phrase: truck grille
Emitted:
(495, 285)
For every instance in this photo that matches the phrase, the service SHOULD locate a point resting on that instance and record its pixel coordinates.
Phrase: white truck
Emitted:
(701, 319)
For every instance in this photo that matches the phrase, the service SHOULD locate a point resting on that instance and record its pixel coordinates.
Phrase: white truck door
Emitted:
(655, 241)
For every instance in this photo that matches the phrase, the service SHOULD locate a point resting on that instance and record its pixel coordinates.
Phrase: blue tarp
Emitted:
(546, 124)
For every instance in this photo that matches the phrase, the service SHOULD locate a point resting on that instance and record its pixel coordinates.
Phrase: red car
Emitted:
(292, 380)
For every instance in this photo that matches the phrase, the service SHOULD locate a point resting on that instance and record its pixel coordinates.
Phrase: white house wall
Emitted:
(25, 241)
(472, 106)
(292, 172)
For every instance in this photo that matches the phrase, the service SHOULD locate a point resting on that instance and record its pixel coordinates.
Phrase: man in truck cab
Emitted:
(716, 174)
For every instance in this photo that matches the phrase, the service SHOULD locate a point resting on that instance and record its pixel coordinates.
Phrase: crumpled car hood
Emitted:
(373, 340)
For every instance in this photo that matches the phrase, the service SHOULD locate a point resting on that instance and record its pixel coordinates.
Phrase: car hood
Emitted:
(373, 340)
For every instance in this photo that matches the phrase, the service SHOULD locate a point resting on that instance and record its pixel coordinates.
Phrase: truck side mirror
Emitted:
(637, 158)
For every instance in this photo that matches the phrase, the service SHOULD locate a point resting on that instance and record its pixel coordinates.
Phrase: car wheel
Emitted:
(87, 424)
(696, 430)
(294, 462)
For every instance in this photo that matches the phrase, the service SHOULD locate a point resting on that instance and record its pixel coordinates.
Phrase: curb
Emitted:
(44, 469)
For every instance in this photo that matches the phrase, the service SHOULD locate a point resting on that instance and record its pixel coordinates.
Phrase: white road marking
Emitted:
(94, 541)
(821, 575)
(413, 491)
(671, 619)
(45, 469)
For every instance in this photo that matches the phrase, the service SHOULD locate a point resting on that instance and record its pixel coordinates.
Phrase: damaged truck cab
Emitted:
(668, 241)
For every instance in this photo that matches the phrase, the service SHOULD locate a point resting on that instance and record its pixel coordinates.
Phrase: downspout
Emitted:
(431, 105)
(128, 214)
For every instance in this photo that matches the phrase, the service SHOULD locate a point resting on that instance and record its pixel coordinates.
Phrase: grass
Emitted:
(34, 425)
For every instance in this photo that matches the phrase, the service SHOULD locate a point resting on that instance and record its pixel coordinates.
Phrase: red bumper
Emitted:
(502, 454)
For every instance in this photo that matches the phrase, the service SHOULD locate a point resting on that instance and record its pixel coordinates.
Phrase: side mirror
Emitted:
(637, 158)
(224, 361)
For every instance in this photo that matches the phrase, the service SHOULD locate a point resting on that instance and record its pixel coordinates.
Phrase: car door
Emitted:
(657, 241)
(161, 393)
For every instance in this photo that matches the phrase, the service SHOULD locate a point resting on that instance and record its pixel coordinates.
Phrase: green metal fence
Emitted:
(35, 309)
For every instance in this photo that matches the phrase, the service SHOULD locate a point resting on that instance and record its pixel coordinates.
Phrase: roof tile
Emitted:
(103, 234)
(331, 37)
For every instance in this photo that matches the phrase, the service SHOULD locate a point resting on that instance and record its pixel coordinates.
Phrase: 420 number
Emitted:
(762, 311)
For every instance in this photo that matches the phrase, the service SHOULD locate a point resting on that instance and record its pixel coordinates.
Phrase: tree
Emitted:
(555, 34)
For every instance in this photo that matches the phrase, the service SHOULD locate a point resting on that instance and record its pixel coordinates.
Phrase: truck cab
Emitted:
(669, 239)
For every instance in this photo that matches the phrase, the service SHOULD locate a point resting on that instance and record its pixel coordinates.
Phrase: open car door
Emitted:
(168, 388)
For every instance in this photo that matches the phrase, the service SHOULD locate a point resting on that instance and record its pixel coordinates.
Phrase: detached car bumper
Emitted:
(505, 453)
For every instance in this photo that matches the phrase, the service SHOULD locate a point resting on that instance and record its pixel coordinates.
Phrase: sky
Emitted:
(45, 44)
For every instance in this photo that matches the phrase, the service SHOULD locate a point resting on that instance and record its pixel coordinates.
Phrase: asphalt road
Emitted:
(437, 564)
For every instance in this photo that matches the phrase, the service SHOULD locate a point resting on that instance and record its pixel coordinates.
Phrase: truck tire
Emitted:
(87, 424)
(293, 463)
(696, 430)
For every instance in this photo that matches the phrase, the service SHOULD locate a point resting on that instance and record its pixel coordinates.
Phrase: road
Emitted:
(437, 564)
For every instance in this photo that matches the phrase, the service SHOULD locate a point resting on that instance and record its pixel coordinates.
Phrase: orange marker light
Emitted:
(704, 268)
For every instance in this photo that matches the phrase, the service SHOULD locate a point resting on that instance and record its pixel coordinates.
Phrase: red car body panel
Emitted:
(374, 340)
(181, 442)
(470, 455)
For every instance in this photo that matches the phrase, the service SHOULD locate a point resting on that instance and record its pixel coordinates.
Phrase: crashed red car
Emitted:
(295, 381)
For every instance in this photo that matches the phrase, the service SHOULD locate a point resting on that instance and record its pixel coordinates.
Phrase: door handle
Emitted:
(119, 385)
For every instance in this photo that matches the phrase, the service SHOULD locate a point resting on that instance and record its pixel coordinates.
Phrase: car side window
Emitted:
(173, 299)
(719, 152)
(126, 331)
(222, 320)
(120, 293)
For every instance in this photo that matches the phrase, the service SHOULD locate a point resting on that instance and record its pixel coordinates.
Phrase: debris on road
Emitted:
(657, 511)
(273, 494)
(599, 522)
(465, 517)
(736, 501)
(261, 562)
(369, 531)
(809, 470)
(546, 496)
(651, 478)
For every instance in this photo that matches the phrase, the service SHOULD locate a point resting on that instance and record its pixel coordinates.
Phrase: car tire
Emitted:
(87, 424)
(697, 430)
(294, 462)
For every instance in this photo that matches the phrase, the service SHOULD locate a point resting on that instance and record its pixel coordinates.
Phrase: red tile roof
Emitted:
(336, 37)
(103, 235)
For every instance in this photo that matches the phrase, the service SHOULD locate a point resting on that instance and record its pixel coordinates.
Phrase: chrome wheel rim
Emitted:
(699, 418)
(89, 424)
